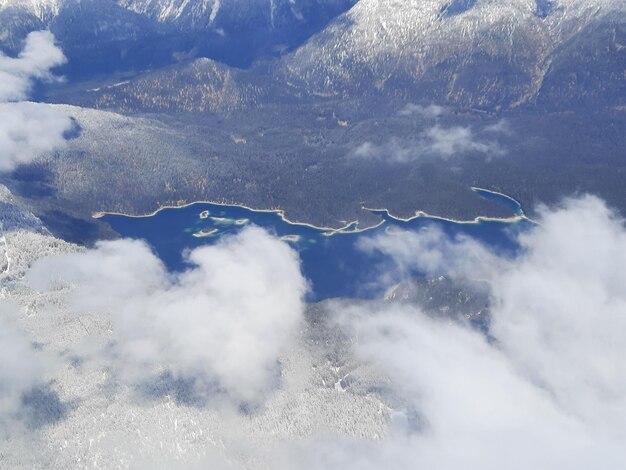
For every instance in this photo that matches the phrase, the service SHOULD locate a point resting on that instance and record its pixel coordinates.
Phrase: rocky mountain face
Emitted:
(42, 9)
(203, 14)
(474, 54)
(104, 36)
(483, 55)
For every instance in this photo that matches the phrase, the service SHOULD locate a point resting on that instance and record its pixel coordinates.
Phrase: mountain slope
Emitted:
(273, 14)
(42, 9)
(483, 54)
(104, 36)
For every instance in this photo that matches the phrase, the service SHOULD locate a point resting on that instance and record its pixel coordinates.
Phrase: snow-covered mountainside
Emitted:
(208, 13)
(484, 55)
(198, 13)
(203, 11)
(14, 215)
(42, 9)
(481, 53)
(101, 36)
(15, 218)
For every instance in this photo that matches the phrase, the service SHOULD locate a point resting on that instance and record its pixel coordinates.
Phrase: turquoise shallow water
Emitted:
(501, 199)
(332, 261)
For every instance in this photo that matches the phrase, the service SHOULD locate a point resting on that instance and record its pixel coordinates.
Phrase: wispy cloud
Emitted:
(22, 373)
(503, 126)
(458, 140)
(436, 142)
(221, 325)
(28, 130)
(38, 57)
(547, 389)
(430, 112)
(20, 369)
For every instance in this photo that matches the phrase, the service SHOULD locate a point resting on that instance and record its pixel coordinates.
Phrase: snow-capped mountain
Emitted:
(198, 13)
(42, 9)
(472, 52)
(488, 54)
(209, 13)
(482, 54)
(131, 34)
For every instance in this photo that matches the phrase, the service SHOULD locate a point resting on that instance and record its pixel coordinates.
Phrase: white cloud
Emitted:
(395, 150)
(430, 252)
(224, 322)
(548, 390)
(437, 142)
(501, 127)
(447, 142)
(38, 57)
(20, 368)
(29, 129)
(477, 410)
(431, 111)
(561, 310)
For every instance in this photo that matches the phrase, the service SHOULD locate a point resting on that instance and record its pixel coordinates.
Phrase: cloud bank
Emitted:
(547, 390)
(221, 325)
(22, 372)
(29, 129)
(20, 368)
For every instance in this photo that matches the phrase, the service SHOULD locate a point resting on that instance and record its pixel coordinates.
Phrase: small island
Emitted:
(205, 232)
(291, 238)
(229, 221)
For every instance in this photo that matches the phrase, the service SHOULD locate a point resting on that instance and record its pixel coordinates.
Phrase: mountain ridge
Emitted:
(103, 36)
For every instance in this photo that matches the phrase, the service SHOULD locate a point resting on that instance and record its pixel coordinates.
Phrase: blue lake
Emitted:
(331, 260)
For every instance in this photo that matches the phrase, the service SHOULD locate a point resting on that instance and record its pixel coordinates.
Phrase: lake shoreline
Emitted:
(346, 228)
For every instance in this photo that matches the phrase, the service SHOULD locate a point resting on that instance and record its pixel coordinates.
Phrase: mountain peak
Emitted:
(42, 9)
